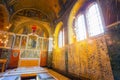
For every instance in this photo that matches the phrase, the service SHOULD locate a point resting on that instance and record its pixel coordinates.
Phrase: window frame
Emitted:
(86, 22)
(76, 19)
(63, 38)
(101, 17)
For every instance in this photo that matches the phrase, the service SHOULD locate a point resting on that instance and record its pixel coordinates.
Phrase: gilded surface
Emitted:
(88, 59)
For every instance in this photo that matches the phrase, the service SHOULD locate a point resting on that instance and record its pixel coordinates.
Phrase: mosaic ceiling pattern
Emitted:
(40, 10)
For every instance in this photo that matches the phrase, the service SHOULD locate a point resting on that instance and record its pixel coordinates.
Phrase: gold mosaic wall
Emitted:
(87, 59)
(59, 59)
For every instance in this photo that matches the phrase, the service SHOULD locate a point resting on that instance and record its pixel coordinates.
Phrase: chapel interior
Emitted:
(59, 39)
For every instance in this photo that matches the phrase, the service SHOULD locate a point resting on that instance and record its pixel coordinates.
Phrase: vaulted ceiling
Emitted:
(50, 8)
(25, 11)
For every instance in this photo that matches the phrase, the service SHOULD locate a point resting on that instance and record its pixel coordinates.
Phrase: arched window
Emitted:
(79, 28)
(89, 23)
(61, 38)
(94, 21)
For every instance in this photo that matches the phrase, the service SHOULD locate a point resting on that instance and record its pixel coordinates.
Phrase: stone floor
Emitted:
(13, 73)
(57, 75)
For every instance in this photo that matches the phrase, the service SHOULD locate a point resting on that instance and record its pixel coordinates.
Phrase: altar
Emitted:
(22, 50)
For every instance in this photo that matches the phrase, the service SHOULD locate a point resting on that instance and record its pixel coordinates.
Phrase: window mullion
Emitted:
(86, 26)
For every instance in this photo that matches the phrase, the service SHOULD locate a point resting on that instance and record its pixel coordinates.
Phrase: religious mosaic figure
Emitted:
(32, 42)
(23, 42)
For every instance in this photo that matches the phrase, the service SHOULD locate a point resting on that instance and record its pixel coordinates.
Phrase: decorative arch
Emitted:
(32, 9)
(73, 12)
(44, 25)
(57, 30)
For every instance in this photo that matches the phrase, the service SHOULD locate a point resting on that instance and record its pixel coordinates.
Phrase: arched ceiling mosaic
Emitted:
(22, 11)
(31, 13)
(50, 8)
(23, 25)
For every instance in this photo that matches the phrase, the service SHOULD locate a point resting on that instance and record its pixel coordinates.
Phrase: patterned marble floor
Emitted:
(45, 73)
(57, 75)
